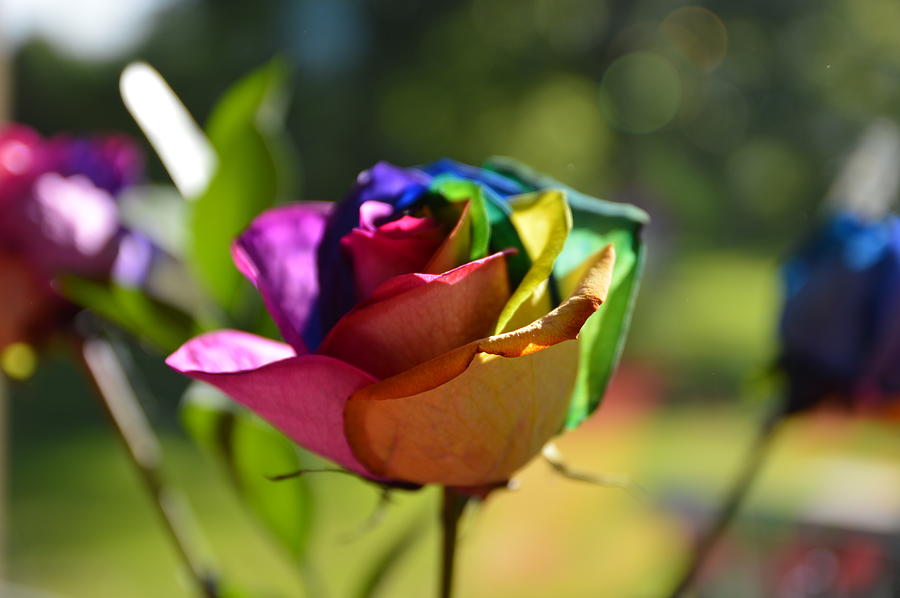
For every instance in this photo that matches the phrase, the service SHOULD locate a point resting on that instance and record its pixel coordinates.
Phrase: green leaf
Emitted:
(250, 177)
(542, 220)
(595, 223)
(148, 319)
(251, 452)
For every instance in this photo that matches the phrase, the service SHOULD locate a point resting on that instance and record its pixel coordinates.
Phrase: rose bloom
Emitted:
(58, 215)
(840, 328)
(431, 320)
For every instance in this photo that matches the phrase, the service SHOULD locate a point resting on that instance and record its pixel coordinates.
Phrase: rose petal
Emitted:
(433, 315)
(494, 181)
(69, 225)
(22, 158)
(475, 415)
(455, 249)
(543, 221)
(402, 246)
(25, 299)
(303, 396)
(111, 162)
(385, 183)
(278, 255)
(372, 212)
(882, 374)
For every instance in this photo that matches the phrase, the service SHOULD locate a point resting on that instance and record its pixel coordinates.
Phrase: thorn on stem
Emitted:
(302, 472)
(554, 458)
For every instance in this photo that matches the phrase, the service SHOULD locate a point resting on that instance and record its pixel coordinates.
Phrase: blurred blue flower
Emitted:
(840, 329)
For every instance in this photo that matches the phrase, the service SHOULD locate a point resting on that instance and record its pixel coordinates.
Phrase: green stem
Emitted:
(454, 503)
(143, 451)
(755, 458)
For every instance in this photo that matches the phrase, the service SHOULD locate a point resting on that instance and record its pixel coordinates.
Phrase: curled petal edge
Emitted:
(561, 324)
(464, 419)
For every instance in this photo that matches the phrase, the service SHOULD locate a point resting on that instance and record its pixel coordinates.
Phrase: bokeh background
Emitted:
(727, 122)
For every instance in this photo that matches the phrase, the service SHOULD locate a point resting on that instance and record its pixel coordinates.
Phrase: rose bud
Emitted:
(442, 323)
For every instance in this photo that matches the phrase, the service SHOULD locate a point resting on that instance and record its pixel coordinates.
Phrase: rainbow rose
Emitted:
(442, 323)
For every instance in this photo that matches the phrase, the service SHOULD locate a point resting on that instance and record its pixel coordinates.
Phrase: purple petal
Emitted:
(384, 183)
(278, 254)
(111, 162)
(134, 260)
(303, 396)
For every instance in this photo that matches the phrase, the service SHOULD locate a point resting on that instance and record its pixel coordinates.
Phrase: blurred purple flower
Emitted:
(840, 328)
(59, 212)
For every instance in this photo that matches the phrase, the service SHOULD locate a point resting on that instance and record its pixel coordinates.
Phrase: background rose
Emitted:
(393, 288)
(840, 327)
(59, 215)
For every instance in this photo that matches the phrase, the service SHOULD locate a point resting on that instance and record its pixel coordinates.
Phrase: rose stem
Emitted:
(454, 503)
(142, 448)
(752, 465)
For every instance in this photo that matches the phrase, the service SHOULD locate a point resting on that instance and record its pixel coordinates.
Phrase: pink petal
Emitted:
(70, 225)
(278, 254)
(303, 396)
(399, 247)
(421, 317)
(370, 212)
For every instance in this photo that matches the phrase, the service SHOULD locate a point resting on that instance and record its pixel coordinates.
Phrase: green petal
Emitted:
(491, 226)
(505, 236)
(457, 189)
(595, 223)
(543, 221)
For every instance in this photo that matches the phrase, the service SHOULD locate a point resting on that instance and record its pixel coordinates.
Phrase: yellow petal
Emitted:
(543, 221)
(475, 415)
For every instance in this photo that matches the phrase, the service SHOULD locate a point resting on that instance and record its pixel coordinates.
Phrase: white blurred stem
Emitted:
(870, 178)
(144, 452)
(178, 140)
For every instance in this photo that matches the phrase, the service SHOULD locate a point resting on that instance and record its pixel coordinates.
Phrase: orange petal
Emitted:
(475, 415)
(456, 247)
(416, 317)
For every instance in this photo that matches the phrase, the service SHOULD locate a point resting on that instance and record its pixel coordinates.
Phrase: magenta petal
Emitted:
(278, 254)
(399, 247)
(418, 317)
(227, 351)
(303, 396)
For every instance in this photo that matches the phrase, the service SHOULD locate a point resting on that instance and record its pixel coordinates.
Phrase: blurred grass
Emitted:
(82, 529)
(708, 320)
